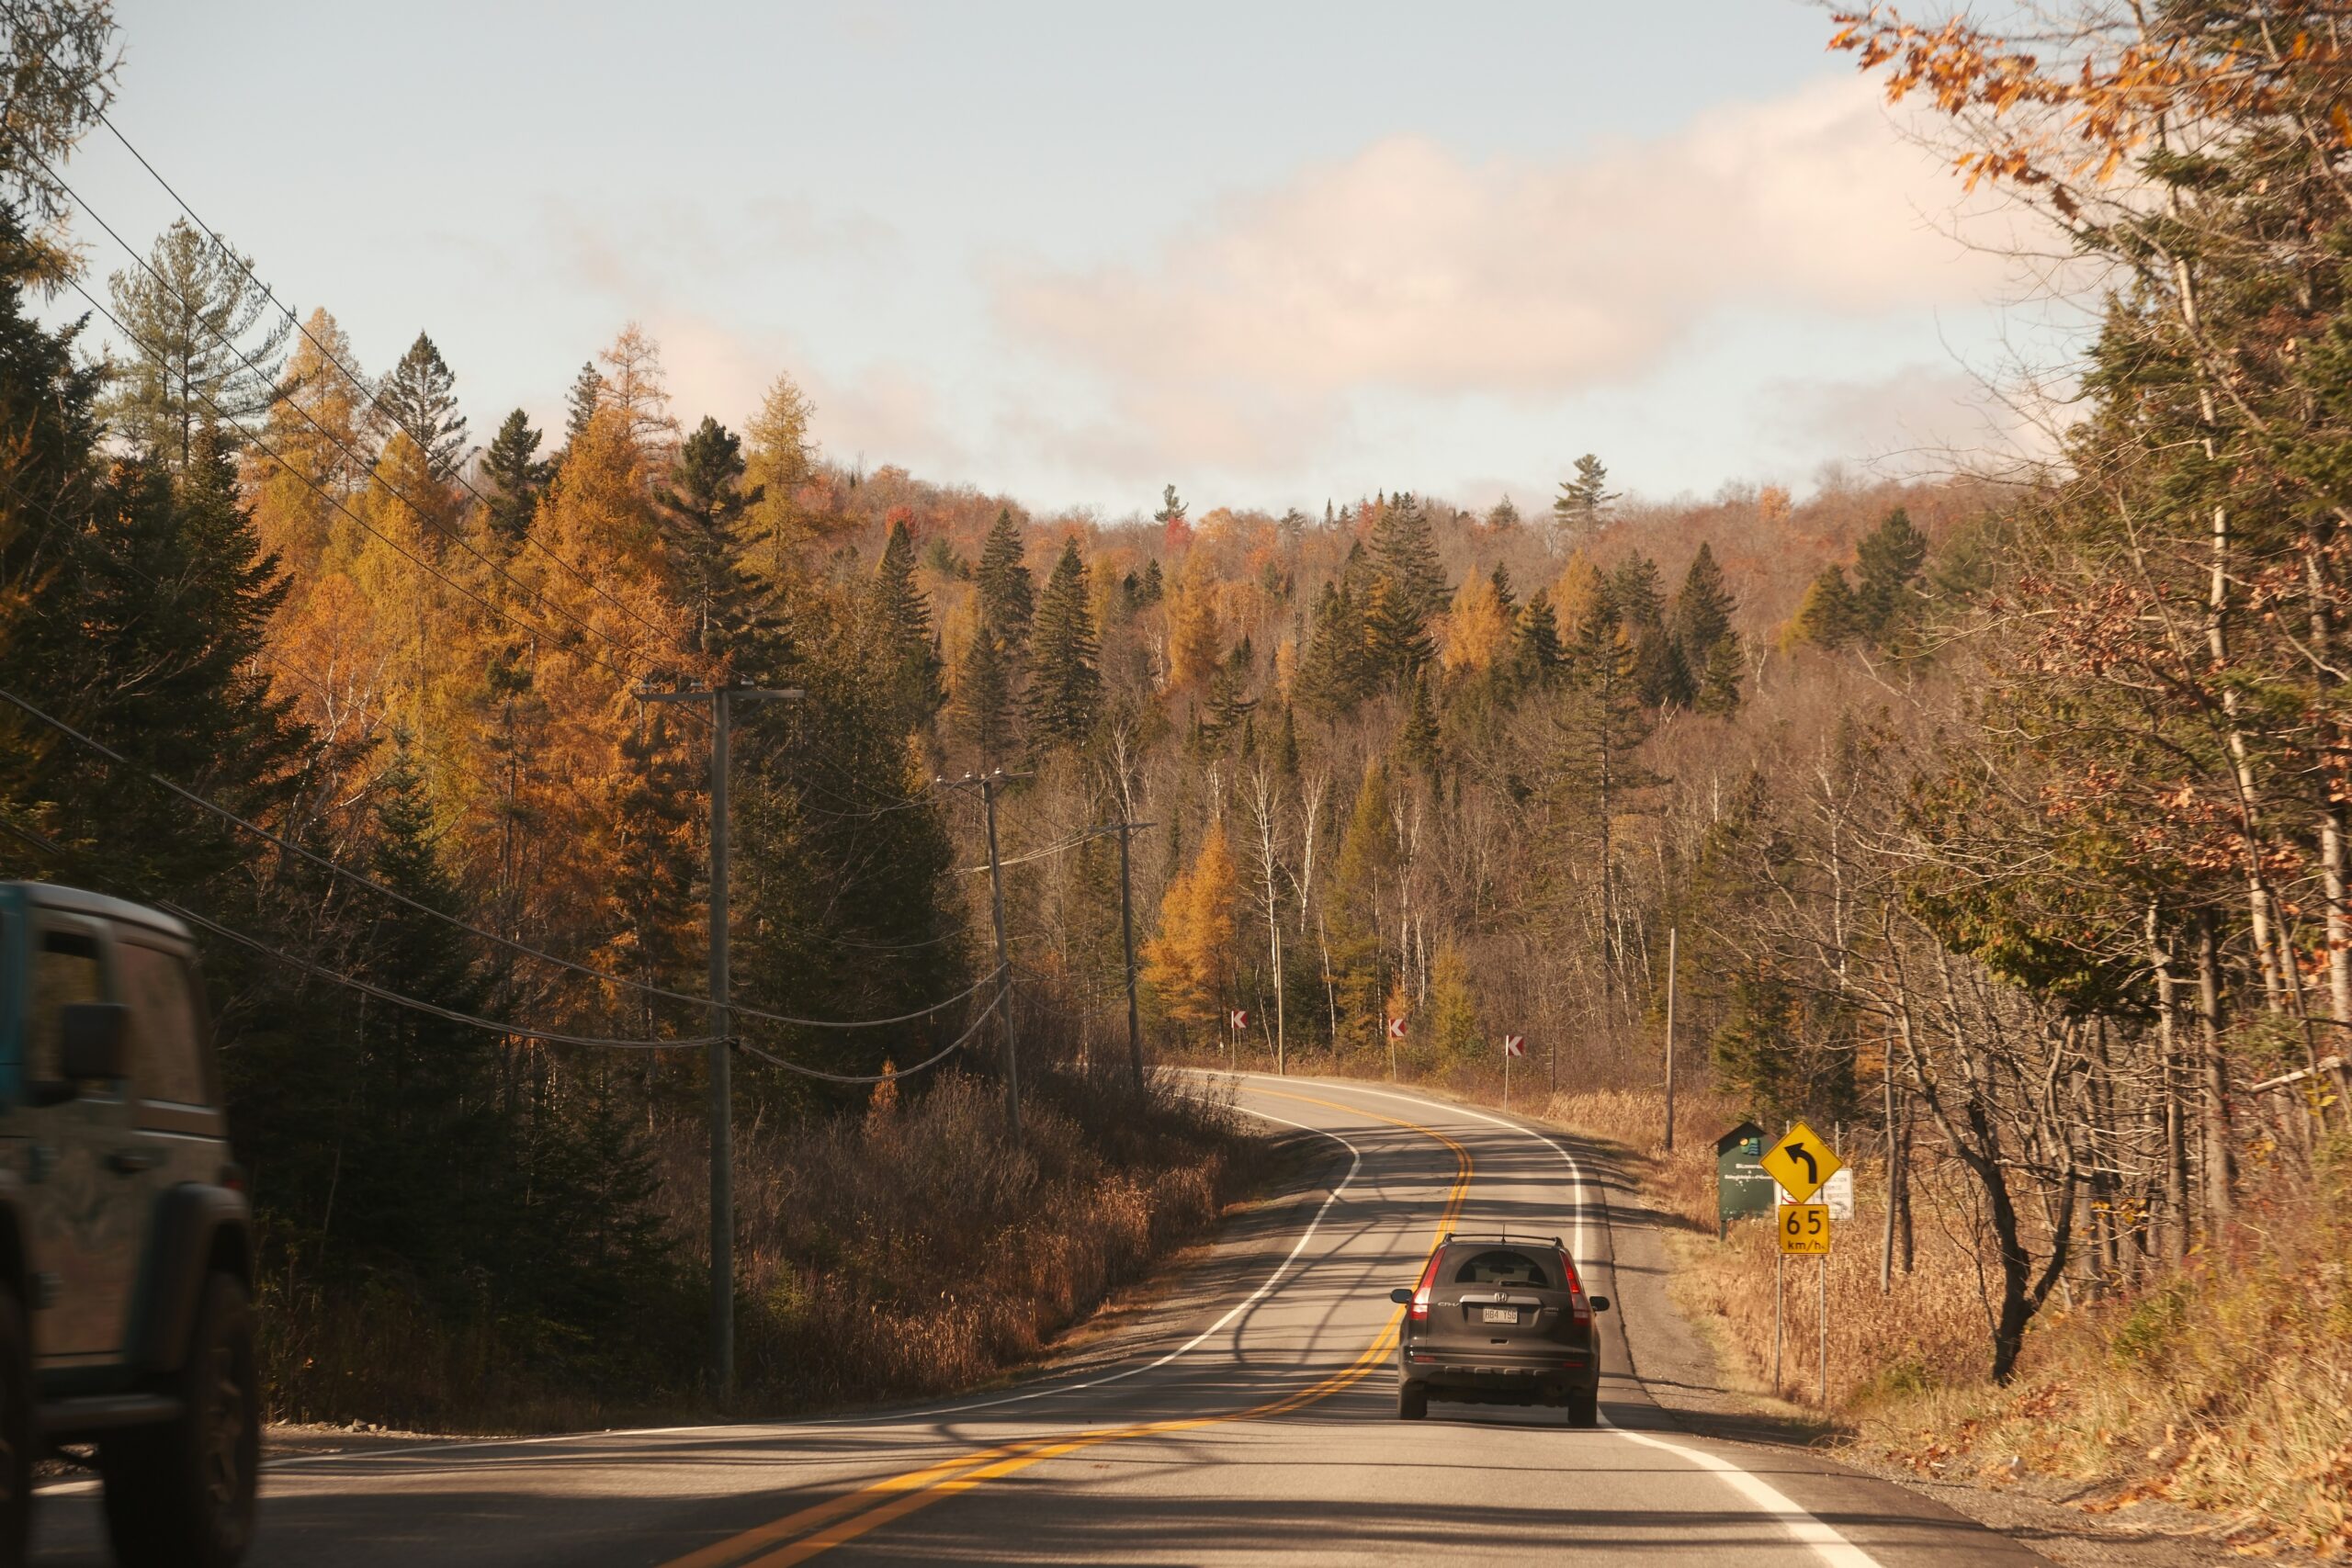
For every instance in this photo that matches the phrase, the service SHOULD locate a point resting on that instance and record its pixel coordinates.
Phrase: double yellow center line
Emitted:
(798, 1537)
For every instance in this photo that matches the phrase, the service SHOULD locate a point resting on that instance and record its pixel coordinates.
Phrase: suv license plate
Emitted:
(1500, 1315)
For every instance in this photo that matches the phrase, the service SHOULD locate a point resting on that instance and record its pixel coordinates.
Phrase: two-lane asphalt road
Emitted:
(1257, 1419)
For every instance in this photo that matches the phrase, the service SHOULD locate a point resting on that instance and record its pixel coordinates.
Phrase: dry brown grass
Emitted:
(909, 1252)
(2225, 1384)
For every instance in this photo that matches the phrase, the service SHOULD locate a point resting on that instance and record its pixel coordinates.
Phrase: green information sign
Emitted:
(1742, 1186)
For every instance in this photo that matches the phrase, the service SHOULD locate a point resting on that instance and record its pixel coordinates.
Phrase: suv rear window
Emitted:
(1496, 1267)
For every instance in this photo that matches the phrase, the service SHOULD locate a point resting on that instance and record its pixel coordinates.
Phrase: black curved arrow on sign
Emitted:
(1811, 1166)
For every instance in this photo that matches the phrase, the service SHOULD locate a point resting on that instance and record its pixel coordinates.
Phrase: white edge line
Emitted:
(1801, 1524)
(1355, 1164)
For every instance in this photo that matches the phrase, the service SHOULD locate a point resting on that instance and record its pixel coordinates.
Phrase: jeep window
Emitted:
(166, 1060)
(67, 969)
(1497, 1268)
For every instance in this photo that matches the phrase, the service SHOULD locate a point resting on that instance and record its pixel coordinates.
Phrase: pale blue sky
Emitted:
(1271, 252)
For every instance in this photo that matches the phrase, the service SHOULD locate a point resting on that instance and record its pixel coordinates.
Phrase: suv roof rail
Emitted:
(1502, 1237)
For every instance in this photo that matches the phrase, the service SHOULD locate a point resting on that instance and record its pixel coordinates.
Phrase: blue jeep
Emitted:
(126, 1252)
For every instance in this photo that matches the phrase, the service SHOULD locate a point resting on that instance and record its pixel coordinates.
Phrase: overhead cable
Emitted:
(348, 874)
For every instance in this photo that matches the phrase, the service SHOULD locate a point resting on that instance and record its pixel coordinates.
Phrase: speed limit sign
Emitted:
(1804, 1227)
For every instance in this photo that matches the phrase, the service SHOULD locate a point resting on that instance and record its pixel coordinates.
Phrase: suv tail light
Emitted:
(1421, 1311)
(1579, 1308)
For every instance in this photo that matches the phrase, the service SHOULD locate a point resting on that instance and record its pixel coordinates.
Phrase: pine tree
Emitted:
(1065, 682)
(898, 621)
(206, 344)
(419, 397)
(515, 477)
(1504, 518)
(1334, 672)
(1155, 585)
(1584, 499)
(1176, 532)
(1230, 704)
(1453, 1035)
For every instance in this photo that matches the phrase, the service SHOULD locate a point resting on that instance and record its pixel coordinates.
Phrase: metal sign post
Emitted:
(1513, 1045)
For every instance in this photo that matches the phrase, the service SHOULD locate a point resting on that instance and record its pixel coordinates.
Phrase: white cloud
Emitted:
(1408, 269)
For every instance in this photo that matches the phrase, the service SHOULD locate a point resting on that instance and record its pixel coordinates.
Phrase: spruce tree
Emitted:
(702, 524)
(1418, 739)
(1536, 650)
(1704, 607)
(1887, 573)
(1155, 584)
(1826, 617)
(580, 404)
(985, 694)
(1065, 683)
(1006, 594)
(1637, 595)
(1719, 679)
(515, 477)
(419, 396)
(898, 621)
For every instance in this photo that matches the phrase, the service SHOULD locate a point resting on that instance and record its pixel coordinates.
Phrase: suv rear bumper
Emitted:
(1550, 1374)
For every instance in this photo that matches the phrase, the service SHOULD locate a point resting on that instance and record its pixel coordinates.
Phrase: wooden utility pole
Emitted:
(722, 1088)
(988, 785)
(1670, 935)
(1127, 938)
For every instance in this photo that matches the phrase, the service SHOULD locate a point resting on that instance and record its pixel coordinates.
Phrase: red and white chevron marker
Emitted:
(1395, 1029)
(1514, 1044)
(1238, 1018)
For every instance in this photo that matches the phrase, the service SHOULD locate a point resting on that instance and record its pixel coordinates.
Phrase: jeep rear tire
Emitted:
(16, 1433)
(183, 1493)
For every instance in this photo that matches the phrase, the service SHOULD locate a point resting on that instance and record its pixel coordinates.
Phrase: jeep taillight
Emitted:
(1421, 1309)
(1579, 1308)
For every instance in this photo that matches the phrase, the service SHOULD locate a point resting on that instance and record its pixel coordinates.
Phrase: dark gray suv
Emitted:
(126, 1272)
(1499, 1321)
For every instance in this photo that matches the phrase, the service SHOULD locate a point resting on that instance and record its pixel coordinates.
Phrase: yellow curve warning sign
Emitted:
(1801, 1162)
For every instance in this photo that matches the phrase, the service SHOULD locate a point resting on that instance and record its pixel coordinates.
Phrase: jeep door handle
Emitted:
(129, 1161)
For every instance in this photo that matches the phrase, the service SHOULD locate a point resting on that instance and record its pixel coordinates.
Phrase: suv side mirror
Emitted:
(91, 1038)
(1601, 1304)
(1402, 1295)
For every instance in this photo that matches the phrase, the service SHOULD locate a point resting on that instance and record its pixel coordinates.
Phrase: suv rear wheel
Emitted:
(1412, 1401)
(16, 1433)
(183, 1493)
(1584, 1409)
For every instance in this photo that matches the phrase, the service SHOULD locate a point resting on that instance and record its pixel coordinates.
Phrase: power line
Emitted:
(373, 398)
(960, 1041)
(289, 847)
(451, 1014)
(549, 1036)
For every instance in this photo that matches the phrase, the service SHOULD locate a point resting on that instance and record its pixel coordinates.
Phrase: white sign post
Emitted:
(1513, 1045)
